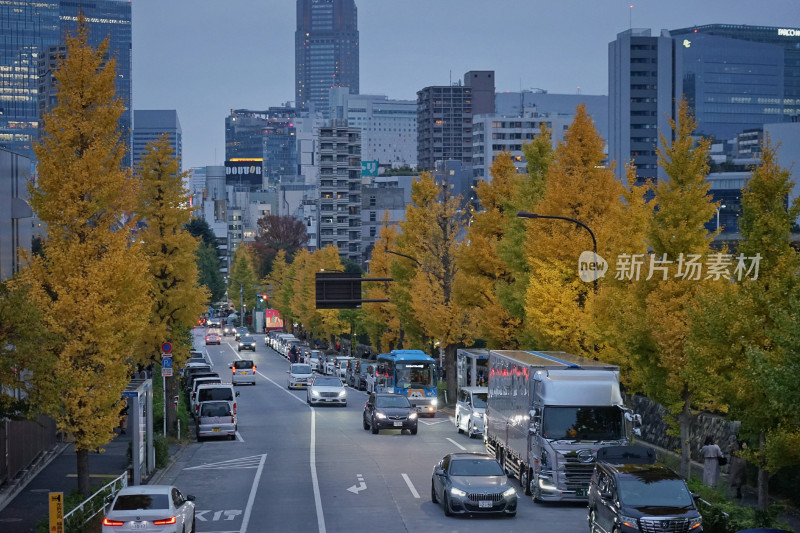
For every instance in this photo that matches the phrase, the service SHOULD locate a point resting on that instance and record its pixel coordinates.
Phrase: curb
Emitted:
(156, 478)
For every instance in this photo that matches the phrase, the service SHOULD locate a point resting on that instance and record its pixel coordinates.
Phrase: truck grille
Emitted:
(479, 496)
(578, 474)
(673, 525)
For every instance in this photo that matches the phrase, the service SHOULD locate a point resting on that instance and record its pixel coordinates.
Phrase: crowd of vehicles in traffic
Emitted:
(552, 420)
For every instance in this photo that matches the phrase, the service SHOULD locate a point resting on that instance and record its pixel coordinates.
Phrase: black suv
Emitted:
(389, 411)
(630, 492)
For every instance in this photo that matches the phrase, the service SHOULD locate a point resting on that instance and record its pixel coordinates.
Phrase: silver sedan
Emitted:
(472, 483)
(327, 390)
(154, 508)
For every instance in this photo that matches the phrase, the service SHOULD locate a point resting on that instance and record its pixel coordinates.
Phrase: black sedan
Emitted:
(472, 483)
(384, 410)
(247, 343)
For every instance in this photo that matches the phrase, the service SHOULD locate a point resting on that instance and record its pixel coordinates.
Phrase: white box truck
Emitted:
(547, 415)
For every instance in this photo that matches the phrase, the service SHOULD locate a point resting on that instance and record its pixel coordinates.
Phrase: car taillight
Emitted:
(234, 407)
(166, 521)
(107, 522)
(233, 419)
(234, 370)
(254, 369)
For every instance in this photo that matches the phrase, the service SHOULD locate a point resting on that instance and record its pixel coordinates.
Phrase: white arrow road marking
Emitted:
(410, 486)
(432, 422)
(457, 444)
(243, 462)
(355, 489)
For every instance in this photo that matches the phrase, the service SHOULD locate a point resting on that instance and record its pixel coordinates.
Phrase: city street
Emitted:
(297, 468)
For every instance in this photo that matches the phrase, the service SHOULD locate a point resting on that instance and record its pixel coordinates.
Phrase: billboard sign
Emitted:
(244, 172)
(369, 168)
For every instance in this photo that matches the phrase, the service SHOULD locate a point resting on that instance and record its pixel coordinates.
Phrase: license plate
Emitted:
(138, 525)
(581, 492)
(243, 372)
(398, 424)
(215, 430)
(484, 503)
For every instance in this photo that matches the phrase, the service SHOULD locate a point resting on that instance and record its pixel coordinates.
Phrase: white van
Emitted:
(215, 392)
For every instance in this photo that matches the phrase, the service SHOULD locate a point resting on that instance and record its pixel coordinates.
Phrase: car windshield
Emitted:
(392, 401)
(301, 369)
(638, 492)
(479, 400)
(475, 467)
(133, 502)
(583, 423)
(247, 339)
(411, 375)
(327, 382)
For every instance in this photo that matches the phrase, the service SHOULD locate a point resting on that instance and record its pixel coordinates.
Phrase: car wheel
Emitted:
(194, 523)
(470, 433)
(433, 493)
(446, 505)
(593, 522)
(525, 480)
(413, 431)
(364, 421)
(458, 424)
(374, 426)
(232, 437)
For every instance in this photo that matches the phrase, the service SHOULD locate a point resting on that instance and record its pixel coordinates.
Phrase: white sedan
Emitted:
(300, 376)
(154, 508)
(327, 390)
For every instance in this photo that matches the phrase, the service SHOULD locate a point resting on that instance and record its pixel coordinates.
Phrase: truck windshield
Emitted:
(412, 375)
(583, 423)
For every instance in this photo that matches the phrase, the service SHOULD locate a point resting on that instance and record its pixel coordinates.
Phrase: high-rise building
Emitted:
(340, 189)
(444, 118)
(27, 29)
(149, 125)
(30, 29)
(388, 127)
(16, 231)
(326, 51)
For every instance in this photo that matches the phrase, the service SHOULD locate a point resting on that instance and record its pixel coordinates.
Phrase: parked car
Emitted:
(315, 360)
(630, 492)
(196, 382)
(300, 376)
(472, 483)
(244, 372)
(154, 508)
(326, 390)
(386, 410)
(196, 356)
(470, 409)
(228, 329)
(353, 370)
(240, 332)
(247, 343)
(215, 419)
(213, 338)
(215, 392)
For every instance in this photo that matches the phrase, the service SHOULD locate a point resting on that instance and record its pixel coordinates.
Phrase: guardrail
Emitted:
(94, 504)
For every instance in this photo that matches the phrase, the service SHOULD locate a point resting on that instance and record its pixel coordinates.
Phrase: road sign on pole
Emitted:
(57, 512)
(166, 372)
(166, 362)
(166, 347)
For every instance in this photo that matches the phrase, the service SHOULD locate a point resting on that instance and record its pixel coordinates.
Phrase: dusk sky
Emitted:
(206, 57)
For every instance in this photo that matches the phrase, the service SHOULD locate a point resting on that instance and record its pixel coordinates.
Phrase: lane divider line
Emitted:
(252, 498)
(410, 485)
(457, 444)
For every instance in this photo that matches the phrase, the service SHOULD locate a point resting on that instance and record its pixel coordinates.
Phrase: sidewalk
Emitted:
(23, 507)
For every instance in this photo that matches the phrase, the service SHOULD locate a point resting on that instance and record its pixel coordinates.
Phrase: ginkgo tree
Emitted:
(381, 319)
(91, 283)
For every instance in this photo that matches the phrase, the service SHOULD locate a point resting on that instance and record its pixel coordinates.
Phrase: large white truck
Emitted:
(547, 415)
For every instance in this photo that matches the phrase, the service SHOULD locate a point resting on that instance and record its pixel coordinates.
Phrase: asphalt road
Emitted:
(298, 468)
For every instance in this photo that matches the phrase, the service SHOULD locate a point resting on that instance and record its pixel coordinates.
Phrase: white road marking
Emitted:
(314, 480)
(457, 444)
(355, 489)
(251, 499)
(432, 422)
(410, 486)
(243, 462)
(239, 437)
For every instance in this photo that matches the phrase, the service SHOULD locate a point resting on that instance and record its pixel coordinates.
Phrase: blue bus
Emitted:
(411, 373)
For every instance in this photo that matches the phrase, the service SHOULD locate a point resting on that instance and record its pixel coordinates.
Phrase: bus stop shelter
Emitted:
(139, 395)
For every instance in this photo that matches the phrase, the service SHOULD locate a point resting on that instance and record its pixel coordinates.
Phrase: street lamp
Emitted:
(527, 214)
(720, 208)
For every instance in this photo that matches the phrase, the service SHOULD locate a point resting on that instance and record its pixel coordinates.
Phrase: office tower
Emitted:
(444, 118)
(340, 189)
(641, 100)
(149, 125)
(326, 51)
(27, 28)
(388, 127)
(16, 232)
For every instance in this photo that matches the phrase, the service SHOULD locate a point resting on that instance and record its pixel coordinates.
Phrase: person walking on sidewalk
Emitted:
(737, 471)
(711, 454)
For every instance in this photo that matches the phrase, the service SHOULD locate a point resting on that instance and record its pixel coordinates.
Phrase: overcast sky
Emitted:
(206, 57)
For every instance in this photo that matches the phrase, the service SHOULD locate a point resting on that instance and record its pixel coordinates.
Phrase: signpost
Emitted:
(56, 512)
(166, 370)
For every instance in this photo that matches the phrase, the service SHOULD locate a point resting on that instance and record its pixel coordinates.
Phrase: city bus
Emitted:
(411, 373)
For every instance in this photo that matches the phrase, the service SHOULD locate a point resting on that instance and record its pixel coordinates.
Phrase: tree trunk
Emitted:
(685, 420)
(84, 485)
(763, 475)
(172, 415)
(450, 367)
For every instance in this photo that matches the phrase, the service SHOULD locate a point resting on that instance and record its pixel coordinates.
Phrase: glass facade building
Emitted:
(151, 124)
(29, 30)
(326, 51)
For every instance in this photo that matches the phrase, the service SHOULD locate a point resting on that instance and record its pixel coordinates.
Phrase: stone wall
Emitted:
(654, 428)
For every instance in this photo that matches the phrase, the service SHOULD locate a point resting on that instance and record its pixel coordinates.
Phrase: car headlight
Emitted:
(628, 521)
(314, 393)
(510, 492)
(380, 415)
(434, 402)
(412, 416)
(545, 483)
(457, 492)
(342, 394)
(694, 523)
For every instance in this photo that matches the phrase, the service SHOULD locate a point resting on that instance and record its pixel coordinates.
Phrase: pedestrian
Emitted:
(123, 418)
(712, 455)
(293, 354)
(737, 471)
